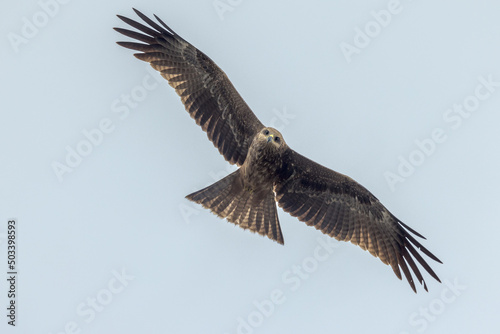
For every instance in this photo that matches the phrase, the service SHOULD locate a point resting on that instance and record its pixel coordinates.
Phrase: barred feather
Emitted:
(228, 199)
(203, 87)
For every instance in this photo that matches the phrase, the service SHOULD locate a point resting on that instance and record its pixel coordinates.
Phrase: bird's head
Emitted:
(272, 138)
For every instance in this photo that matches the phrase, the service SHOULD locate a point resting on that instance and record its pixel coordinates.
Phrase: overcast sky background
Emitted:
(121, 211)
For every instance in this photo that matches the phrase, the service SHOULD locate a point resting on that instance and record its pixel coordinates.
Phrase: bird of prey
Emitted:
(270, 171)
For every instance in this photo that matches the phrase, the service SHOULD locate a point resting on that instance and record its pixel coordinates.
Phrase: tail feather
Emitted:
(255, 211)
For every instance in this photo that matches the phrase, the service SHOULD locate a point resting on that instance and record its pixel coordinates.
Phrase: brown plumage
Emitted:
(269, 170)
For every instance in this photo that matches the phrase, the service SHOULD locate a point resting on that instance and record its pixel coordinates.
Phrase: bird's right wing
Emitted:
(204, 88)
(340, 207)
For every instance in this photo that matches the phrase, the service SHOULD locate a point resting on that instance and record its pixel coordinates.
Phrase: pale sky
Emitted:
(98, 154)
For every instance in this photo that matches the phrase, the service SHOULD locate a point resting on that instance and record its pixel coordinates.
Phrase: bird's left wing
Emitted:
(341, 208)
(204, 88)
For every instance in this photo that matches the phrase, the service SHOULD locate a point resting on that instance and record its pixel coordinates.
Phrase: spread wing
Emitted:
(341, 208)
(204, 88)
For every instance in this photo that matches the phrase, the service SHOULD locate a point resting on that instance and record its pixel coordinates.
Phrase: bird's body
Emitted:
(246, 197)
(271, 172)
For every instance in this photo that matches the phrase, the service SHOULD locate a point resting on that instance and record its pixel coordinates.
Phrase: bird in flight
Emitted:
(270, 171)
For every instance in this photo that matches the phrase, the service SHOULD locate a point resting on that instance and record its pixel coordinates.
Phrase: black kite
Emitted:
(269, 170)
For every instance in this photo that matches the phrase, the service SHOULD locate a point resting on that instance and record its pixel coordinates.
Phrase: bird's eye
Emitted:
(277, 139)
(266, 132)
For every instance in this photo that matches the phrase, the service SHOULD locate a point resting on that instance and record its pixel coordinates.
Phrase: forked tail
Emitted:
(229, 199)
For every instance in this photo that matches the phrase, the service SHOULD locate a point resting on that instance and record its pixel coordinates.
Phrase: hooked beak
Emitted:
(270, 138)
